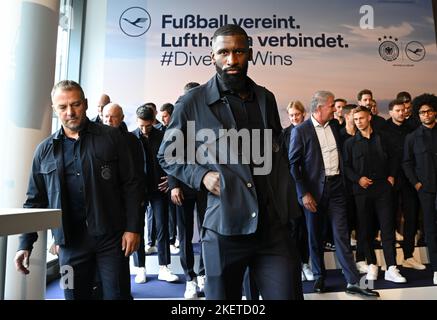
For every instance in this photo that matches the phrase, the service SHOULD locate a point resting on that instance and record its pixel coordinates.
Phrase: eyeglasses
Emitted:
(423, 112)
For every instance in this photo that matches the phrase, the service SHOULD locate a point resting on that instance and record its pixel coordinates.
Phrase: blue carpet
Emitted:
(335, 282)
(152, 289)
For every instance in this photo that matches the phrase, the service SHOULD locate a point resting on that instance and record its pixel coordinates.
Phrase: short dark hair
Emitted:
(426, 98)
(68, 85)
(230, 30)
(167, 107)
(145, 112)
(190, 85)
(395, 102)
(361, 109)
(340, 100)
(404, 96)
(349, 107)
(150, 105)
(363, 92)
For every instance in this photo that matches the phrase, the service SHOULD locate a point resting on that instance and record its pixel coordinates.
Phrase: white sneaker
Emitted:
(307, 273)
(173, 249)
(191, 289)
(411, 263)
(141, 276)
(165, 274)
(372, 272)
(362, 267)
(201, 280)
(393, 274)
(435, 278)
(150, 249)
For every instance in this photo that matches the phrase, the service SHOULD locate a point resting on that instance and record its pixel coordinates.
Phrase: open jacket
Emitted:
(113, 190)
(235, 212)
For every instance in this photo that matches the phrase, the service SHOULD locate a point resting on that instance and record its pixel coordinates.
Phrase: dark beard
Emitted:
(235, 82)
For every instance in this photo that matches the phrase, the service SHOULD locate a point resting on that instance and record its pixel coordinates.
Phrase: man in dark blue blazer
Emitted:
(316, 165)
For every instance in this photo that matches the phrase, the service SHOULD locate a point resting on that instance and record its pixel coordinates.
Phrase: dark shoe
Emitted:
(319, 285)
(355, 289)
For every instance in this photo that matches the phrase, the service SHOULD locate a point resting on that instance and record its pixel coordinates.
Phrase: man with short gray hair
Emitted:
(316, 165)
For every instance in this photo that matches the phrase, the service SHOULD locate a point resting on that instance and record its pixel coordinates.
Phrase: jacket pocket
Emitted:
(48, 171)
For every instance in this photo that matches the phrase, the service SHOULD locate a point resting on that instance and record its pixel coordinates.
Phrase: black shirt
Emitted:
(375, 171)
(74, 179)
(397, 134)
(247, 115)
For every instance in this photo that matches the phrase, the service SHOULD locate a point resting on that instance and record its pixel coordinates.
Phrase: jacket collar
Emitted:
(89, 127)
(213, 95)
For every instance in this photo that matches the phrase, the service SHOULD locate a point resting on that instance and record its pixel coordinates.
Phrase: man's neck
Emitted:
(429, 126)
(398, 123)
(366, 132)
(340, 119)
(72, 134)
(318, 119)
(351, 129)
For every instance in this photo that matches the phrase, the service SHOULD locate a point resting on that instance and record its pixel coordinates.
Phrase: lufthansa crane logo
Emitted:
(415, 51)
(135, 21)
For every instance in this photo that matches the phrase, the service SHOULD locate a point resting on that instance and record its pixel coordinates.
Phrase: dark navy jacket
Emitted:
(306, 161)
(418, 162)
(236, 211)
(356, 158)
(113, 191)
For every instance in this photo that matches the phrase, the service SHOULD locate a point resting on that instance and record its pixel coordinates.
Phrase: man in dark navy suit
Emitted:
(316, 165)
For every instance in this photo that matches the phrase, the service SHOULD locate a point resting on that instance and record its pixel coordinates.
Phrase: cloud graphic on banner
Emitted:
(367, 35)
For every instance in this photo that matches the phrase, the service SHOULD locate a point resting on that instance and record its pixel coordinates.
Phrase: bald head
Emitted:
(103, 101)
(113, 115)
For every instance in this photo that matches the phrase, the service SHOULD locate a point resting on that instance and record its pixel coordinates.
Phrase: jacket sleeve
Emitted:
(409, 161)
(173, 183)
(172, 152)
(296, 158)
(132, 183)
(347, 162)
(36, 197)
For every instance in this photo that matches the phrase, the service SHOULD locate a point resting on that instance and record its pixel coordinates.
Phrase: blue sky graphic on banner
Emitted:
(153, 48)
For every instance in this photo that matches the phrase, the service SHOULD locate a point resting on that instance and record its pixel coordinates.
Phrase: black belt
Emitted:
(331, 178)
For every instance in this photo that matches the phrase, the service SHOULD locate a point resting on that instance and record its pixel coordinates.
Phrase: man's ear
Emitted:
(86, 104)
(250, 53)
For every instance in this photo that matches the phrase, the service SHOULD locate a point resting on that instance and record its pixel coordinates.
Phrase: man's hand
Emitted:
(211, 180)
(365, 182)
(391, 180)
(418, 186)
(177, 196)
(163, 186)
(130, 243)
(22, 261)
(309, 202)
